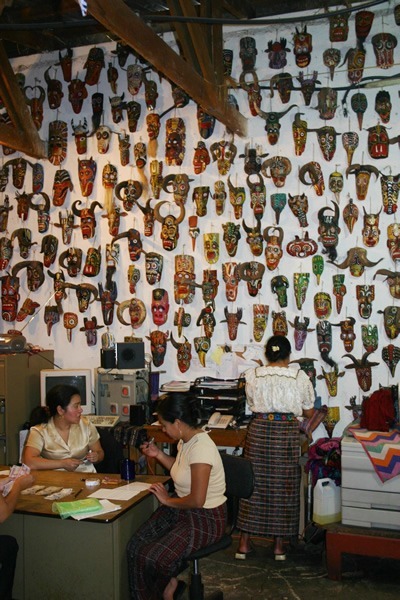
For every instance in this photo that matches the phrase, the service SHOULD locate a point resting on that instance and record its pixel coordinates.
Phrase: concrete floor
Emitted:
(301, 577)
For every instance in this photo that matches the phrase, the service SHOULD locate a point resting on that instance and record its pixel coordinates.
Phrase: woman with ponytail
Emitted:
(277, 395)
(192, 517)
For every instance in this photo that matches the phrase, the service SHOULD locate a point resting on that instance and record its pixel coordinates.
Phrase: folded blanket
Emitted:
(382, 448)
(76, 507)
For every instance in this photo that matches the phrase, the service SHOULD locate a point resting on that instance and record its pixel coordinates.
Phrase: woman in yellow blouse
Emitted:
(64, 439)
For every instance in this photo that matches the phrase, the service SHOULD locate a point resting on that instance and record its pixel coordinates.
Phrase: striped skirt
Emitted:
(157, 551)
(273, 446)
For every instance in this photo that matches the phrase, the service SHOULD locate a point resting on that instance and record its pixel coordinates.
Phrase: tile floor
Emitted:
(301, 577)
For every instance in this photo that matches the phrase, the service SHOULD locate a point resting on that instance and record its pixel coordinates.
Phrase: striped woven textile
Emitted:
(382, 448)
(274, 507)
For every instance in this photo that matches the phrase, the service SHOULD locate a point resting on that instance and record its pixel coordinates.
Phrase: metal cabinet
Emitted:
(120, 389)
(19, 394)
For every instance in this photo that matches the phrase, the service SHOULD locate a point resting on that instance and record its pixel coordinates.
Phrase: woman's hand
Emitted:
(149, 449)
(24, 482)
(92, 456)
(71, 464)
(160, 492)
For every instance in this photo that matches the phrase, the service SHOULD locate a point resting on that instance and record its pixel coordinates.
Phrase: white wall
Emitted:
(78, 354)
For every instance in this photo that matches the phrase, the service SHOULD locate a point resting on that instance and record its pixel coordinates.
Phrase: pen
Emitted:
(151, 440)
(78, 492)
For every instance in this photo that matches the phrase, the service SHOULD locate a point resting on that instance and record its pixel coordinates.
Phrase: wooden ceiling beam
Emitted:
(117, 17)
(183, 37)
(212, 8)
(197, 35)
(24, 136)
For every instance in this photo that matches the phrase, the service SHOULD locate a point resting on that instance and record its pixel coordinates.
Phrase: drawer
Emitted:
(370, 499)
(370, 517)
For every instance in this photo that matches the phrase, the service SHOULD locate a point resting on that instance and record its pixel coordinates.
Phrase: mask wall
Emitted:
(221, 241)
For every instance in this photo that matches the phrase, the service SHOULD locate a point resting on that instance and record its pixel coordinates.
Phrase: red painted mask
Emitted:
(160, 306)
(302, 47)
(184, 279)
(231, 278)
(183, 354)
(158, 346)
(65, 61)
(9, 297)
(233, 319)
(35, 103)
(77, 93)
(87, 217)
(93, 65)
(384, 45)
(62, 184)
(273, 251)
(87, 169)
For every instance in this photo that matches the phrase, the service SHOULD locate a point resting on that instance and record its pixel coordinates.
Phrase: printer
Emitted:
(226, 396)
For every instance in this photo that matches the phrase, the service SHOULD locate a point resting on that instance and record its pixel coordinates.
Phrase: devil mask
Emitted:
(58, 136)
(87, 173)
(160, 306)
(260, 320)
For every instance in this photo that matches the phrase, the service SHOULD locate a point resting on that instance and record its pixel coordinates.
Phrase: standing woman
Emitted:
(276, 395)
(193, 517)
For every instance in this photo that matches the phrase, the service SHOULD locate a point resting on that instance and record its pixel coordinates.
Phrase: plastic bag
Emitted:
(76, 507)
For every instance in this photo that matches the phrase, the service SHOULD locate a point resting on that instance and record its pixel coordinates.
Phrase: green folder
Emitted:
(76, 507)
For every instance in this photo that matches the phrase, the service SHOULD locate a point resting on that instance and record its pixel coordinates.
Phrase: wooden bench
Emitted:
(349, 539)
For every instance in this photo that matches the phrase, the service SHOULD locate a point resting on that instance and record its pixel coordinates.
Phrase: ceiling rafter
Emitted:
(22, 135)
(118, 18)
(196, 38)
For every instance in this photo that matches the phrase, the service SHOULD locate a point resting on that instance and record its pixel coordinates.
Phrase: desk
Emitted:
(340, 539)
(222, 437)
(68, 559)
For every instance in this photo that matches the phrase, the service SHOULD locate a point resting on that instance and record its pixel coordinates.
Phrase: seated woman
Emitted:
(194, 517)
(64, 440)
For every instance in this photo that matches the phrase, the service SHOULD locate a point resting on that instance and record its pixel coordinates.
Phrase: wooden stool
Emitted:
(340, 539)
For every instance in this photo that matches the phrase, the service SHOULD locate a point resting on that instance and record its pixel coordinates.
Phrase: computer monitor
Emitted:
(79, 378)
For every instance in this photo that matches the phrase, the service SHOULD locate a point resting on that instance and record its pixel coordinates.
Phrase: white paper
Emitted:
(107, 508)
(125, 492)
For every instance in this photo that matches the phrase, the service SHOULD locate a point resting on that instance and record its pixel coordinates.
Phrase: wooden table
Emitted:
(341, 539)
(234, 438)
(68, 559)
(222, 437)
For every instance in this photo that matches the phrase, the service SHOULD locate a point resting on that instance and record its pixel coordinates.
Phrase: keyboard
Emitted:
(103, 420)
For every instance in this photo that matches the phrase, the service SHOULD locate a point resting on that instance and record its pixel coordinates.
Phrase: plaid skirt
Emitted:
(273, 446)
(157, 551)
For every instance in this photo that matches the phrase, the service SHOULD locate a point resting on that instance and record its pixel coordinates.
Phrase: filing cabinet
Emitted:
(19, 394)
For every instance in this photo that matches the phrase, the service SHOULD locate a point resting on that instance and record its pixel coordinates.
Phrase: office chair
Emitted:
(113, 452)
(239, 484)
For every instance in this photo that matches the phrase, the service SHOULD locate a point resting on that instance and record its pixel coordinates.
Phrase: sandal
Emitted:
(243, 555)
(280, 556)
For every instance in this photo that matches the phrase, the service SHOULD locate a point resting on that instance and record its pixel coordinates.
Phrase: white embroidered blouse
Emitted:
(278, 389)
